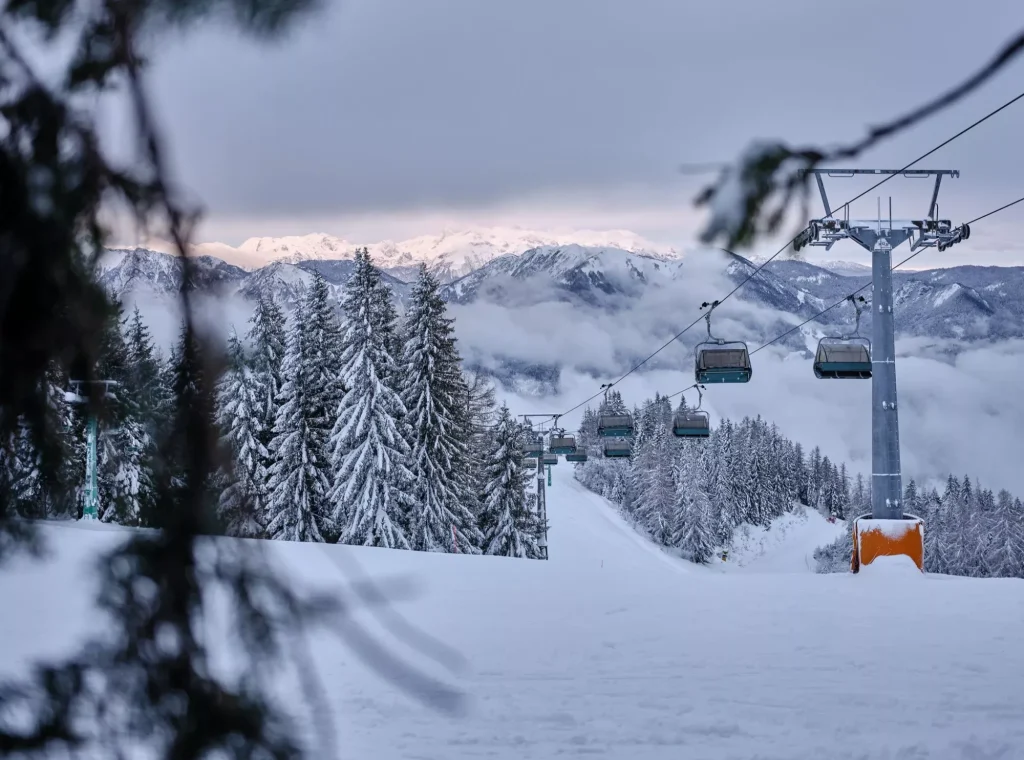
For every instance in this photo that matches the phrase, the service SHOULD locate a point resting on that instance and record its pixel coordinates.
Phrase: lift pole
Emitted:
(542, 510)
(91, 506)
(880, 236)
(542, 502)
(886, 475)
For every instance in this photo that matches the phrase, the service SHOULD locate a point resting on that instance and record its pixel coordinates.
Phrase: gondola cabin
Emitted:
(565, 444)
(550, 459)
(843, 359)
(722, 363)
(579, 456)
(691, 424)
(615, 426)
(617, 449)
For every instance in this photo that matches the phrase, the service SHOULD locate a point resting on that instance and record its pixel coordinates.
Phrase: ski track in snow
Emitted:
(643, 657)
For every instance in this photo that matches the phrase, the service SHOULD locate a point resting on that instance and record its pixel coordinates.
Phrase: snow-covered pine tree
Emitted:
(798, 473)
(322, 346)
(47, 492)
(511, 529)
(385, 320)
(655, 479)
(297, 501)
(123, 445)
(267, 346)
(370, 495)
(434, 393)
(243, 502)
(693, 522)
(482, 412)
(194, 388)
(149, 380)
(1005, 556)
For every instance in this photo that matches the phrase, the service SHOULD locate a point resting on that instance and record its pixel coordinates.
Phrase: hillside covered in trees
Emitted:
(352, 427)
(691, 495)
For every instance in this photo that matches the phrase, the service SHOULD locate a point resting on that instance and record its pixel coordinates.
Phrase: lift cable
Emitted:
(868, 284)
(1001, 208)
(765, 263)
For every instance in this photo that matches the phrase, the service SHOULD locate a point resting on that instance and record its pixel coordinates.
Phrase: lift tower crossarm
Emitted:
(927, 232)
(908, 173)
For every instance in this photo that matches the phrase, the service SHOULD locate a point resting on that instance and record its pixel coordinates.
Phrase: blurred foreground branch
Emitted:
(146, 684)
(751, 198)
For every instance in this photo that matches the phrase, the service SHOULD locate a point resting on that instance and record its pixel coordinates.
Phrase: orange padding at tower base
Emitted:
(887, 538)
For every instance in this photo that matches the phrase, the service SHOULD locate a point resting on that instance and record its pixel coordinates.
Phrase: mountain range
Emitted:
(450, 255)
(610, 285)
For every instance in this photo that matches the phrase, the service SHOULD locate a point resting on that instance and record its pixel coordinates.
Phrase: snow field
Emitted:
(786, 547)
(615, 649)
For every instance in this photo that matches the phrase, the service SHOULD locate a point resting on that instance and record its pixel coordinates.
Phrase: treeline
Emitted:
(356, 428)
(968, 530)
(692, 494)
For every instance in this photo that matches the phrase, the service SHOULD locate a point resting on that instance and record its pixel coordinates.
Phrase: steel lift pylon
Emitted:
(887, 530)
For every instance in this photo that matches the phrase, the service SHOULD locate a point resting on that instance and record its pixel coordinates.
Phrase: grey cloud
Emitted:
(397, 104)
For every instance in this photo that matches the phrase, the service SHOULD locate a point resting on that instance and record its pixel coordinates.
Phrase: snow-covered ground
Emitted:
(787, 546)
(615, 649)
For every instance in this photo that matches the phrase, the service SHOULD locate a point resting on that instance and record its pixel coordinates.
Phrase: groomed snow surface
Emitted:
(615, 649)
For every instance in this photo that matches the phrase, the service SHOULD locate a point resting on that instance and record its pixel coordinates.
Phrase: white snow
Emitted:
(894, 529)
(786, 546)
(613, 648)
(887, 566)
(451, 253)
(946, 293)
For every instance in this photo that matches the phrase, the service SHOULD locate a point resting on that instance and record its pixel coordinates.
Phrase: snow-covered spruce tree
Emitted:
(267, 347)
(1005, 556)
(298, 484)
(323, 349)
(385, 320)
(482, 411)
(511, 529)
(191, 385)
(42, 492)
(693, 529)
(370, 495)
(243, 502)
(656, 487)
(150, 383)
(435, 395)
(123, 445)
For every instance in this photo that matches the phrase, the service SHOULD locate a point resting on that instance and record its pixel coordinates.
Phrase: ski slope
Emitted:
(787, 546)
(615, 649)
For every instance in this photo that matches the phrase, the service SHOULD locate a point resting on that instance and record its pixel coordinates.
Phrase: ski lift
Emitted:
(721, 361)
(614, 425)
(550, 459)
(617, 449)
(692, 423)
(534, 449)
(562, 444)
(530, 464)
(846, 357)
(577, 456)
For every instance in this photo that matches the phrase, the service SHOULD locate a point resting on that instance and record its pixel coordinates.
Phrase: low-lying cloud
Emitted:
(960, 406)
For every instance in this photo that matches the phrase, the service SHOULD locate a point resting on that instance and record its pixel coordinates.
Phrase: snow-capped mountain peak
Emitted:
(295, 248)
(449, 255)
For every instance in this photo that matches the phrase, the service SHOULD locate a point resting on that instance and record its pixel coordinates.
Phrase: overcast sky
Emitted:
(390, 118)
